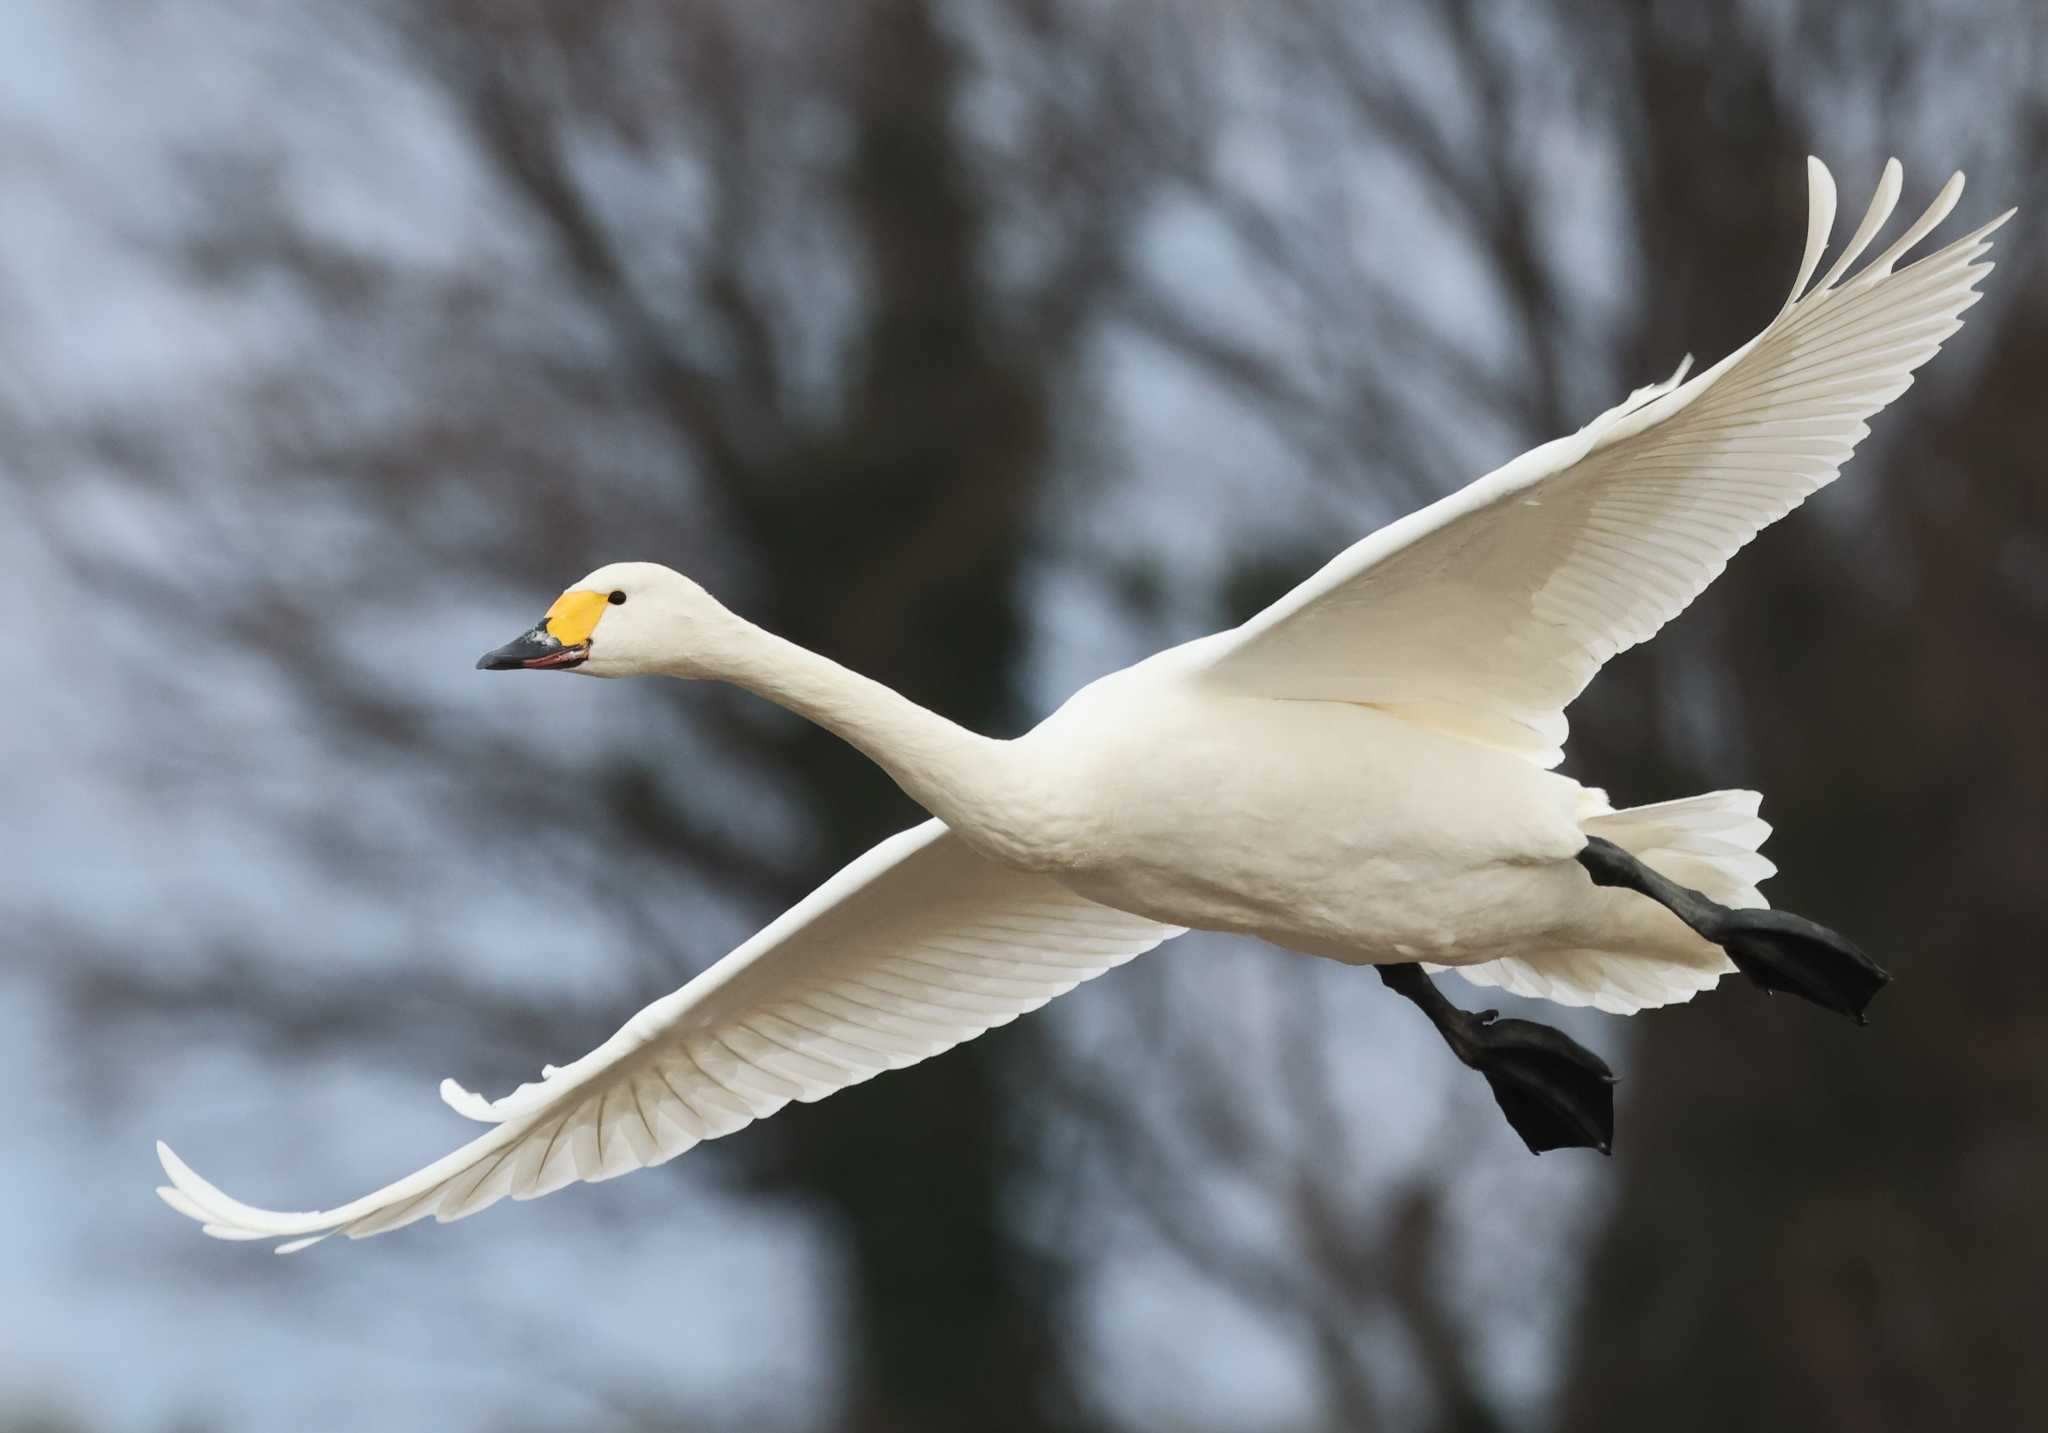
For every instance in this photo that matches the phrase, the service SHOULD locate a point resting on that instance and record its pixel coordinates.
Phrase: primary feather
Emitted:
(1488, 612)
(916, 946)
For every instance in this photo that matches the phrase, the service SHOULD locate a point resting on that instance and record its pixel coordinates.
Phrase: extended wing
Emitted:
(915, 947)
(1486, 613)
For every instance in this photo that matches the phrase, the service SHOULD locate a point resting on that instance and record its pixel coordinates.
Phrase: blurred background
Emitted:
(986, 346)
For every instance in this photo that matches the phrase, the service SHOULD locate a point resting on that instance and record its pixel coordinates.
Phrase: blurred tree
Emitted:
(888, 528)
(892, 529)
(829, 384)
(1820, 1228)
(819, 304)
(1832, 1214)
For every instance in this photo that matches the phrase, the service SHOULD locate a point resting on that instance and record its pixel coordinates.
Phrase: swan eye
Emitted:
(617, 599)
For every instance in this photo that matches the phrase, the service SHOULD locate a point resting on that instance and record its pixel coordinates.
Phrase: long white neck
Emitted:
(969, 781)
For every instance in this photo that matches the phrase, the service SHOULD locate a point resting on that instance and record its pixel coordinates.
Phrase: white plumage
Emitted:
(1489, 611)
(1360, 771)
(913, 948)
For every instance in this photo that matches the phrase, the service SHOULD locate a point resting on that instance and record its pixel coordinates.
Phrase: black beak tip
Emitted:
(536, 649)
(525, 648)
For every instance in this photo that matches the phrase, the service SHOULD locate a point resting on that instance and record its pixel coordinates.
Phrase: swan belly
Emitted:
(1324, 827)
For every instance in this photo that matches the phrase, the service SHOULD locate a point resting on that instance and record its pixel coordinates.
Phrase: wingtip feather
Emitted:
(468, 1103)
(1944, 203)
(177, 1200)
(1882, 202)
(1820, 222)
(217, 1208)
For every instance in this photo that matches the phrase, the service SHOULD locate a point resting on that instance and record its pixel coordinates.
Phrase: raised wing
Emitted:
(1486, 613)
(915, 947)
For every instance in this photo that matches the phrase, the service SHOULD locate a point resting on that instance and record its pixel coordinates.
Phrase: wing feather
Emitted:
(1487, 613)
(915, 947)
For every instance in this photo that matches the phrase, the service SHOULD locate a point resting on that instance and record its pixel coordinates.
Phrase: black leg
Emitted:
(1775, 949)
(1554, 1091)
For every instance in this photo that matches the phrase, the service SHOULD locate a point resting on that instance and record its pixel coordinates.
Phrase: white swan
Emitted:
(1362, 771)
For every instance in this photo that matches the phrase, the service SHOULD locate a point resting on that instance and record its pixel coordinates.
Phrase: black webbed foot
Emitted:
(1555, 1092)
(1781, 951)
(1775, 949)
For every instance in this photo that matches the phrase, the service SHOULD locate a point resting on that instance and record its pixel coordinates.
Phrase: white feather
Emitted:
(1488, 611)
(916, 946)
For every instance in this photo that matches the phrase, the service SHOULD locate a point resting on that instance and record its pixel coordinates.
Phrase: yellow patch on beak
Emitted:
(574, 617)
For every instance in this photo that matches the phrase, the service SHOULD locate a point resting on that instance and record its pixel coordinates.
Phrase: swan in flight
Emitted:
(1362, 771)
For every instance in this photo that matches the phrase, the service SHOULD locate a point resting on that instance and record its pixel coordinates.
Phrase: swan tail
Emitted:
(1709, 843)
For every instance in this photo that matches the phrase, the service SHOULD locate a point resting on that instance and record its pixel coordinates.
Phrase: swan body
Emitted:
(1327, 827)
(1363, 771)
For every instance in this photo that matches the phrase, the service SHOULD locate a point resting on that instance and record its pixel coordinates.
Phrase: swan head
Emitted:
(626, 619)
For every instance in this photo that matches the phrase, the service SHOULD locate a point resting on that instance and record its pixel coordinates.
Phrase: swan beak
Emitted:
(539, 649)
(561, 639)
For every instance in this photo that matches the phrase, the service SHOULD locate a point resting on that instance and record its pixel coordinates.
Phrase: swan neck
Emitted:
(957, 775)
